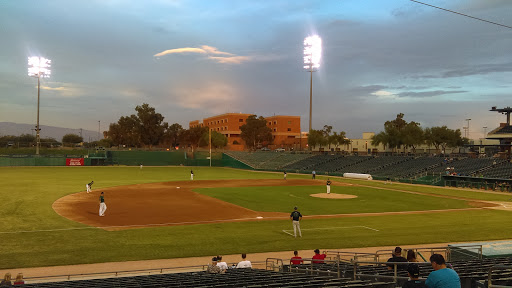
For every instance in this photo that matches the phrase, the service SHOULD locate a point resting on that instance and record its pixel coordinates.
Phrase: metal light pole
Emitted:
(485, 131)
(210, 144)
(468, 127)
(98, 130)
(312, 56)
(38, 67)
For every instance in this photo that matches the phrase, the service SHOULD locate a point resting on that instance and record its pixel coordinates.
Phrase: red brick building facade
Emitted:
(285, 129)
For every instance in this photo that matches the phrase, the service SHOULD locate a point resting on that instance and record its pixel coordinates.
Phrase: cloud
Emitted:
(426, 94)
(212, 97)
(382, 94)
(180, 50)
(65, 90)
(231, 60)
(218, 56)
(474, 70)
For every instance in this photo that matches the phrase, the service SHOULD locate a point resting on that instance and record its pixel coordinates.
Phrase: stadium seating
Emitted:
(466, 166)
(253, 278)
(267, 160)
(501, 170)
(504, 130)
(411, 168)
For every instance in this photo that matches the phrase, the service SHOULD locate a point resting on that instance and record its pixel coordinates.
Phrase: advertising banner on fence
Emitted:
(74, 161)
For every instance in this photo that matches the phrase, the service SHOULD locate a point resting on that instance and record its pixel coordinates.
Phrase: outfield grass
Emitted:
(283, 199)
(27, 195)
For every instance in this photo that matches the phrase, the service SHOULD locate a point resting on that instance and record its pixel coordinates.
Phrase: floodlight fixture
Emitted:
(312, 52)
(38, 67)
(312, 56)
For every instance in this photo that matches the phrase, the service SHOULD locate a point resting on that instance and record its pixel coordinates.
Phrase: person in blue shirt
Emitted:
(442, 277)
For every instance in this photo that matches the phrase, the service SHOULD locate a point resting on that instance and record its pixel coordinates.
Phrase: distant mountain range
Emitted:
(16, 129)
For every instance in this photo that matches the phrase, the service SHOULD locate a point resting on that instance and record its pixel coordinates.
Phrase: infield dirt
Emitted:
(174, 203)
(165, 204)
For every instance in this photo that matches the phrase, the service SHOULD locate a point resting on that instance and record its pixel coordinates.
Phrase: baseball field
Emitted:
(157, 212)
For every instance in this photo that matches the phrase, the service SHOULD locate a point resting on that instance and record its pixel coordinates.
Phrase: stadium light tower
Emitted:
(312, 56)
(38, 67)
(468, 127)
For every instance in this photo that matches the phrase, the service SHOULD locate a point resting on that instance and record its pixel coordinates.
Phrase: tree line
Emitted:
(399, 133)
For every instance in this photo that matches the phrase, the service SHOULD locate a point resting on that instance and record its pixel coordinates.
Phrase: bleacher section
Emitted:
(467, 166)
(471, 272)
(504, 130)
(502, 170)
(239, 278)
(310, 164)
(411, 168)
(394, 167)
(373, 165)
(267, 159)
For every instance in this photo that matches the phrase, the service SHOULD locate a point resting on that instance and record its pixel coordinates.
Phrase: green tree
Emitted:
(255, 131)
(72, 139)
(150, 125)
(443, 137)
(218, 140)
(172, 134)
(27, 138)
(316, 137)
(125, 131)
(340, 139)
(193, 136)
(413, 135)
(328, 139)
(398, 133)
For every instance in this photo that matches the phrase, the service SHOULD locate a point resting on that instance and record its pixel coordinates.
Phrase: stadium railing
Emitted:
(125, 273)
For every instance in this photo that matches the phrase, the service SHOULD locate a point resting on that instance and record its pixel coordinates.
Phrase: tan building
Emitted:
(285, 129)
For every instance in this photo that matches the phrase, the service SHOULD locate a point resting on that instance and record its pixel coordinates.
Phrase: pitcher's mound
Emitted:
(333, 196)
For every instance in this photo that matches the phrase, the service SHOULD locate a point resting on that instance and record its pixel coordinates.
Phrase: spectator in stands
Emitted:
(414, 275)
(221, 264)
(411, 256)
(318, 258)
(244, 263)
(19, 279)
(296, 259)
(213, 268)
(7, 280)
(442, 277)
(397, 257)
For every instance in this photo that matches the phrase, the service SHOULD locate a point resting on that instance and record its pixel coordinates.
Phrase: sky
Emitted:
(195, 59)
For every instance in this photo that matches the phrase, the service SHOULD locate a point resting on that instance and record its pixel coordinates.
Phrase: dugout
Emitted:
(494, 184)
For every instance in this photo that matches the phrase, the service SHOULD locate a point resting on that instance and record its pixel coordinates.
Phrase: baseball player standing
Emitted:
(284, 175)
(88, 186)
(191, 175)
(296, 217)
(103, 206)
(328, 186)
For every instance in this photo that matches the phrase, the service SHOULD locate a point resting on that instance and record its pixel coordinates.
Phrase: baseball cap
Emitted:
(214, 259)
(414, 270)
(398, 249)
(295, 208)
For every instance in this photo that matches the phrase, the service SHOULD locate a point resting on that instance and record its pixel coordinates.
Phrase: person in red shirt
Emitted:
(296, 260)
(318, 258)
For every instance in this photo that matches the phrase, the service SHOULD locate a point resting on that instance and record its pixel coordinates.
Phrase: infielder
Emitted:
(328, 186)
(88, 186)
(296, 217)
(284, 175)
(191, 175)
(103, 206)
